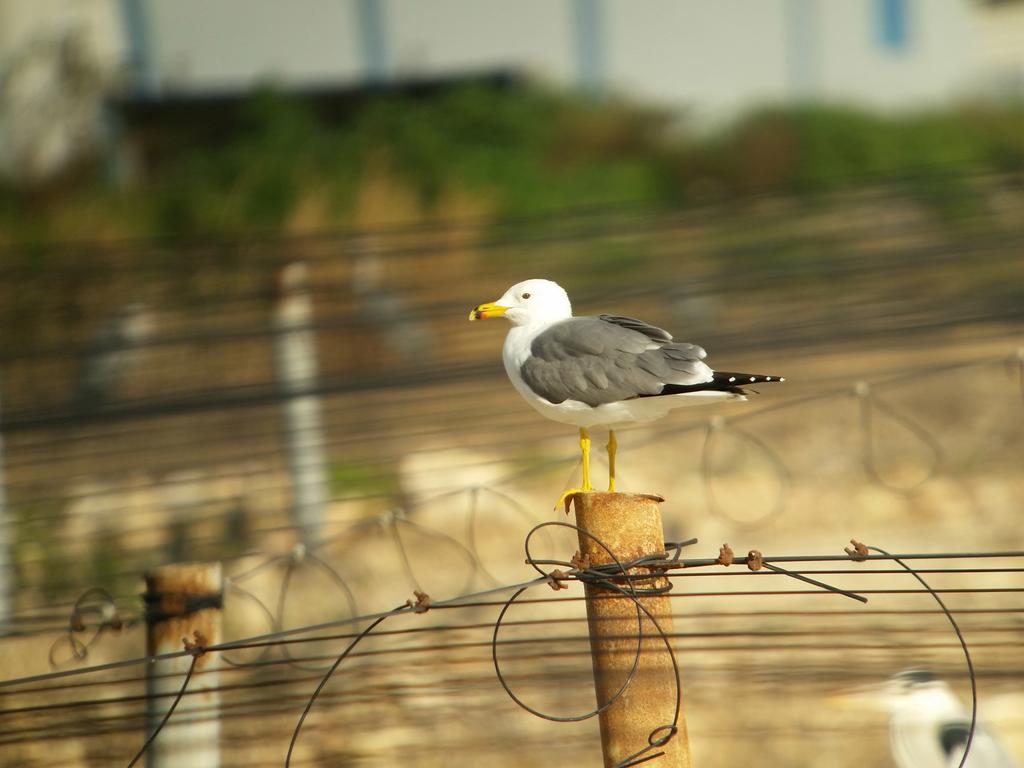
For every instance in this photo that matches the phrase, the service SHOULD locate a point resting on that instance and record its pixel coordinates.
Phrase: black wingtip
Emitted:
(724, 381)
(741, 379)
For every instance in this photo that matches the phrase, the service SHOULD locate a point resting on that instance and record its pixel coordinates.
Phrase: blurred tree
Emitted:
(51, 92)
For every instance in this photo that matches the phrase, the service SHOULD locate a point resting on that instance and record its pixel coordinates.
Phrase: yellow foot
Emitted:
(567, 497)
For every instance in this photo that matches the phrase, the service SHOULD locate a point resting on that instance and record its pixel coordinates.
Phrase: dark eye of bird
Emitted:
(526, 295)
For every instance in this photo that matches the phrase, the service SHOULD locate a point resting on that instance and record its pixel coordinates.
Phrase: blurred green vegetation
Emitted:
(38, 556)
(816, 148)
(362, 479)
(526, 150)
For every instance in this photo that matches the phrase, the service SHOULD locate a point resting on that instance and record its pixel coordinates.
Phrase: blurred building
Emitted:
(999, 62)
(711, 59)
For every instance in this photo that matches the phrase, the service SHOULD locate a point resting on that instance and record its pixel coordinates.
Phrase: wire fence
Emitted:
(902, 422)
(78, 701)
(718, 440)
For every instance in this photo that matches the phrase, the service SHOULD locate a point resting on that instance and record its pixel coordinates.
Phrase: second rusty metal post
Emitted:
(183, 602)
(630, 526)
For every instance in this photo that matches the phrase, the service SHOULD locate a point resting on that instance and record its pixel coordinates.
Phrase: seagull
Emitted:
(929, 727)
(111, 352)
(385, 308)
(604, 370)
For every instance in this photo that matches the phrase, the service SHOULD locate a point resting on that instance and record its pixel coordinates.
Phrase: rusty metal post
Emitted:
(183, 602)
(630, 526)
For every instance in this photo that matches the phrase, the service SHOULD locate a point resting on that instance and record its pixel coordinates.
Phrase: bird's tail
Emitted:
(723, 381)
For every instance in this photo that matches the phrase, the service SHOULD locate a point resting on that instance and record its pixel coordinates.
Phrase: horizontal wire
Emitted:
(329, 407)
(510, 414)
(887, 380)
(832, 615)
(858, 262)
(642, 210)
(681, 570)
(471, 601)
(61, 619)
(133, 617)
(894, 378)
(269, 393)
(683, 641)
(541, 678)
(454, 686)
(270, 453)
(847, 265)
(454, 602)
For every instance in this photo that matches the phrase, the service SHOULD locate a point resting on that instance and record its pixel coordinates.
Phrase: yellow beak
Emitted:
(485, 311)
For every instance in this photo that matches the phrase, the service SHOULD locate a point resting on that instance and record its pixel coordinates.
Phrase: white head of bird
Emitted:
(916, 693)
(534, 303)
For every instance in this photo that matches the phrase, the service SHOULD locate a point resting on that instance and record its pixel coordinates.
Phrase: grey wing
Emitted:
(598, 360)
(652, 332)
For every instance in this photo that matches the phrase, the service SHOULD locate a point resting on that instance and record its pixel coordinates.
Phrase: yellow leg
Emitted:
(585, 448)
(566, 497)
(612, 445)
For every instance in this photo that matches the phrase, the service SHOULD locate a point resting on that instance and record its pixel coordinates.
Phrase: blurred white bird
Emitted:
(386, 309)
(110, 353)
(928, 725)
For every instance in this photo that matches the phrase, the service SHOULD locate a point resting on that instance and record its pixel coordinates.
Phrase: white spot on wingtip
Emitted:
(753, 378)
(732, 378)
(767, 378)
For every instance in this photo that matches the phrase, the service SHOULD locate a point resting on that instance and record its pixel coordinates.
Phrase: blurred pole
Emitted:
(630, 526)
(373, 39)
(296, 367)
(183, 602)
(802, 48)
(6, 560)
(589, 33)
(139, 45)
